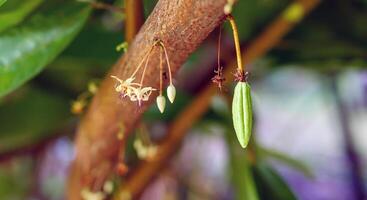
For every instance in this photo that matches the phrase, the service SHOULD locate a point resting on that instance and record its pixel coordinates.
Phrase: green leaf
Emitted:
(242, 112)
(32, 115)
(14, 12)
(2, 2)
(270, 184)
(285, 159)
(241, 173)
(27, 49)
(82, 58)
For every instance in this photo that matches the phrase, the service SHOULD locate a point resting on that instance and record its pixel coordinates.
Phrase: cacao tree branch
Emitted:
(146, 170)
(181, 25)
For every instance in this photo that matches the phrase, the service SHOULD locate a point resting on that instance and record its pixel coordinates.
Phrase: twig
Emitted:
(134, 18)
(145, 171)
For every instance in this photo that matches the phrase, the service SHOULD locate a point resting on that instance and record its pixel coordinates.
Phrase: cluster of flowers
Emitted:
(136, 92)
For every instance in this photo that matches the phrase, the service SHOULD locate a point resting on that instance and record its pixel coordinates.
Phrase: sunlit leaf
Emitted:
(14, 11)
(2, 2)
(27, 49)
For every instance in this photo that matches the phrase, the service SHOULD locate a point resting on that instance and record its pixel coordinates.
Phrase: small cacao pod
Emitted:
(242, 112)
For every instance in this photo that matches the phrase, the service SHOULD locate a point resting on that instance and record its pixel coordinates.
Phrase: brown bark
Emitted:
(146, 171)
(181, 25)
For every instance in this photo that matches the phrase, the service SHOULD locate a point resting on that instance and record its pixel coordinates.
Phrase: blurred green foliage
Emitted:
(334, 35)
(30, 117)
(2, 2)
(16, 179)
(15, 11)
(26, 49)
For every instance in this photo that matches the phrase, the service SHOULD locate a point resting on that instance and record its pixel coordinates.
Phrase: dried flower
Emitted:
(219, 78)
(240, 76)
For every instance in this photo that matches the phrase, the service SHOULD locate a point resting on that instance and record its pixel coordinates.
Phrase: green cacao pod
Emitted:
(242, 112)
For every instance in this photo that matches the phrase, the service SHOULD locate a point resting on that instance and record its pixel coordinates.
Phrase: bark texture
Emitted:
(182, 25)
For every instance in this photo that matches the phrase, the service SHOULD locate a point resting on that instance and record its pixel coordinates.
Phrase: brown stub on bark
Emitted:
(182, 25)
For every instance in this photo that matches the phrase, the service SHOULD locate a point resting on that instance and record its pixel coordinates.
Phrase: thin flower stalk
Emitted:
(143, 93)
(136, 91)
(219, 78)
(144, 70)
(171, 90)
(160, 72)
(161, 100)
(219, 46)
(236, 42)
(142, 61)
(168, 63)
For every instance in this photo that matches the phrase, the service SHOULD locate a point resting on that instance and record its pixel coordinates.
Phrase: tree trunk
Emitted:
(182, 25)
